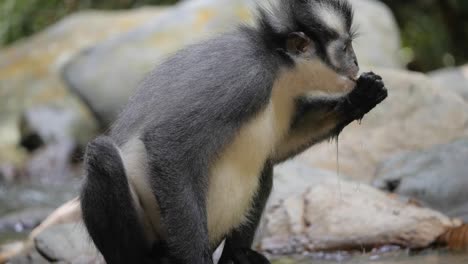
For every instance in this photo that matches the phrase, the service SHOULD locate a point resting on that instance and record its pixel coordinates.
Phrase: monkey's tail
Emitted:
(108, 210)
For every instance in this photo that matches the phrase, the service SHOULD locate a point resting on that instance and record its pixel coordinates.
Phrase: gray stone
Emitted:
(52, 124)
(378, 43)
(30, 75)
(454, 79)
(294, 177)
(106, 75)
(416, 115)
(68, 242)
(32, 257)
(52, 164)
(345, 215)
(437, 177)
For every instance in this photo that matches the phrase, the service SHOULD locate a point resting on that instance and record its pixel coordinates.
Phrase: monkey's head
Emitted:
(315, 28)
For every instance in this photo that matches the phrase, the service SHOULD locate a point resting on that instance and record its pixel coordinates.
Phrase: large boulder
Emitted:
(294, 177)
(106, 75)
(35, 104)
(453, 79)
(378, 42)
(437, 177)
(416, 115)
(333, 216)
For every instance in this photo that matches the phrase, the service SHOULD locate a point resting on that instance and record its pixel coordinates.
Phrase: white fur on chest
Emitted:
(235, 176)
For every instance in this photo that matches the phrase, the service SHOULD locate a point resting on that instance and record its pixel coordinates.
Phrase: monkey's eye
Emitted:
(345, 48)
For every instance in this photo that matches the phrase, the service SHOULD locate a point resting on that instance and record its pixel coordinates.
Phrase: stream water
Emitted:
(23, 203)
(398, 257)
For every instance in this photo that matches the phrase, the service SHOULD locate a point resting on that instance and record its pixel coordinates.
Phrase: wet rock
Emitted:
(106, 75)
(416, 115)
(333, 216)
(437, 177)
(453, 79)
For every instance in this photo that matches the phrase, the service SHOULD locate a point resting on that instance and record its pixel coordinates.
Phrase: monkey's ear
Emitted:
(298, 43)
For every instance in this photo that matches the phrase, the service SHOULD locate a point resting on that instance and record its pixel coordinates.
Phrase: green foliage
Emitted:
(21, 18)
(435, 32)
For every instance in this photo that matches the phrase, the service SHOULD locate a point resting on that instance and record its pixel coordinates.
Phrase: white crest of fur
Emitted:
(330, 17)
(278, 13)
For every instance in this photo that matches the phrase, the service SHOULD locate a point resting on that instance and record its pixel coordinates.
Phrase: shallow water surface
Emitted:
(399, 257)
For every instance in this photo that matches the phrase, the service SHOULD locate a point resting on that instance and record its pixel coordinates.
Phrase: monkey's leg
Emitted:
(237, 248)
(180, 190)
(320, 119)
(107, 206)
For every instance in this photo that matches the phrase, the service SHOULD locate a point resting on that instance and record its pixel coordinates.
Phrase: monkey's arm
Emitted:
(319, 119)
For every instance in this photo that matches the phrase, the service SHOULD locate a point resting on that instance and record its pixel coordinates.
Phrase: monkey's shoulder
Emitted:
(202, 92)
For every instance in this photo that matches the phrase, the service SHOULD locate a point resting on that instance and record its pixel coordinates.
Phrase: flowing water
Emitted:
(399, 257)
(16, 198)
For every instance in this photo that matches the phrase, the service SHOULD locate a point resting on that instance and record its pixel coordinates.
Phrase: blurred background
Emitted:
(68, 66)
(434, 32)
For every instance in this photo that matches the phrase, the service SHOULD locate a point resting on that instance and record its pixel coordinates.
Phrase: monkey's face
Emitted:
(341, 57)
(327, 27)
(338, 54)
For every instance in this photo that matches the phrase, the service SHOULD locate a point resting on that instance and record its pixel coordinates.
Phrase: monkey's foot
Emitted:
(369, 92)
(245, 256)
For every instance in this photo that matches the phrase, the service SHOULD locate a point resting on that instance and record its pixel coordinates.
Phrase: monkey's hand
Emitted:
(369, 92)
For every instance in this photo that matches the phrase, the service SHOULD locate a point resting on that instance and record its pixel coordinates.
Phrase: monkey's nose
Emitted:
(356, 63)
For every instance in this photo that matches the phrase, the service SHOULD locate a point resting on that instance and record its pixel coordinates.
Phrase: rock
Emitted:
(67, 215)
(378, 43)
(23, 220)
(415, 116)
(106, 75)
(66, 242)
(453, 79)
(294, 177)
(437, 177)
(32, 257)
(30, 75)
(334, 216)
(52, 164)
(51, 125)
